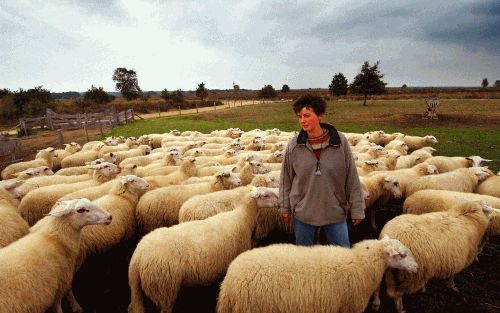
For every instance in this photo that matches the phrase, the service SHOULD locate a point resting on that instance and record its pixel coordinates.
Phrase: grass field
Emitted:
(466, 127)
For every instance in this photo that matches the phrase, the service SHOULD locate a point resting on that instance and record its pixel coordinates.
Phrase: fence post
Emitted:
(179, 108)
(85, 126)
(116, 118)
(23, 127)
(48, 114)
(196, 107)
(215, 107)
(132, 114)
(61, 137)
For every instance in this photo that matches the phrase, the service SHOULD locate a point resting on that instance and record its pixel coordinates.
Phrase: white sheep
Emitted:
(80, 158)
(38, 202)
(390, 137)
(406, 176)
(122, 155)
(160, 207)
(443, 243)
(164, 166)
(407, 161)
(424, 153)
(446, 164)
(120, 202)
(130, 143)
(289, 278)
(462, 179)
(13, 225)
(79, 170)
(208, 247)
(430, 200)
(380, 189)
(490, 186)
(186, 169)
(30, 173)
(416, 142)
(397, 146)
(71, 148)
(43, 158)
(38, 269)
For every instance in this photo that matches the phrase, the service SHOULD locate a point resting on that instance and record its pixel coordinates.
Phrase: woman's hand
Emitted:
(356, 222)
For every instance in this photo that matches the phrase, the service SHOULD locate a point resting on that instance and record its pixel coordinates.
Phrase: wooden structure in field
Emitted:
(9, 151)
(432, 104)
(53, 121)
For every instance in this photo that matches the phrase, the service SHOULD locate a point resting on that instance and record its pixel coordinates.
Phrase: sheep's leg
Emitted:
(376, 300)
(74, 305)
(56, 306)
(398, 301)
(451, 284)
(372, 218)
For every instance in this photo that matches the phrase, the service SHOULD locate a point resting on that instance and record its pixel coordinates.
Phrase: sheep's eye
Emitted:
(82, 210)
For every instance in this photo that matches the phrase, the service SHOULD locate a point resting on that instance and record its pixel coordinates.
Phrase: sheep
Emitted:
(158, 267)
(31, 173)
(122, 155)
(38, 202)
(416, 142)
(407, 161)
(130, 143)
(164, 166)
(80, 158)
(390, 137)
(289, 278)
(377, 137)
(227, 154)
(389, 161)
(257, 166)
(430, 200)
(256, 144)
(369, 166)
(380, 189)
(160, 207)
(443, 243)
(120, 202)
(187, 169)
(353, 138)
(38, 269)
(71, 148)
(490, 186)
(142, 160)
(13, 225)
(275, 157)
(372, 153)
(397, 146)
(43, 158)
(446, 164)
(79, 170)
(424, 153)
(462, 179)
(406, 176)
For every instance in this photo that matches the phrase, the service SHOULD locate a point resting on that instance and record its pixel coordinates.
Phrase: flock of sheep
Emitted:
(203, 201)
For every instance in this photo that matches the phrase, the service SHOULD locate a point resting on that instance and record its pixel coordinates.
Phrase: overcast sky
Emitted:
(69, 45)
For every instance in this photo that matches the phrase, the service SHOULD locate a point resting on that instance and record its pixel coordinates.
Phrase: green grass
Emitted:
(467, 127)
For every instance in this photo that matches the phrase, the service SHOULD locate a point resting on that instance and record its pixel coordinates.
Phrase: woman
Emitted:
(319, 182)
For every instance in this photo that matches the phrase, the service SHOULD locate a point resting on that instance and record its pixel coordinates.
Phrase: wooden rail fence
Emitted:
(52, 120)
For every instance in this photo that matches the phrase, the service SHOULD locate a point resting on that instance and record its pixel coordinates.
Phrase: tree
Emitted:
(285, 88)
(165, 95)
(404, 86)
(338, 86)
(201, 91)
(126, 83)
(31, 102)
(177, 96)
(4, 92)
(485, 83)
(267, 91)
(97, 95)
(497, 83)
(368, 81)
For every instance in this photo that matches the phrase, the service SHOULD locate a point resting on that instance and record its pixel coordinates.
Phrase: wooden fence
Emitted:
(9, 150)
(53, 120)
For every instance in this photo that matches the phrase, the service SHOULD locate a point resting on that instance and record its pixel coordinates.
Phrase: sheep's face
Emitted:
(109, 169)
(265, 197)
(134, 182)
(430, 139)
(432, 169)
(482, 173)
(476, 160)
(81, 212)
(129, 169)
(229, 179)
(259, 167)
(229, 153)
(279, 146)
(391, 184)
(29, 173)
(237, 145)
(398, 256)
(198, 152)
(279, 155)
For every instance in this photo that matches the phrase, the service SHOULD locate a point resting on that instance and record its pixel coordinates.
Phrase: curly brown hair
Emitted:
(316, 103)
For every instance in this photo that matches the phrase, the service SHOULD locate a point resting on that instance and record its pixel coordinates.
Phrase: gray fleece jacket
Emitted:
(326, 198)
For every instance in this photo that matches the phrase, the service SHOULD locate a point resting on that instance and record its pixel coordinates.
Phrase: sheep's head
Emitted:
(259, 167)
(265, 197)
(482, 173)
(398, 255)
(476, 160)
(230, 153)
(29, 173)
(431, 170)
(134, 182)
(105, 169)
(197, 152)
(264, 180)
(258, 143)
(129, 169)
(175, 132)
(228, 179)
(490, 211)
(252, 157)
(145, 149)
(278, 156)
(430, 139)
(236, 145)
(391, 184)
(81, 212)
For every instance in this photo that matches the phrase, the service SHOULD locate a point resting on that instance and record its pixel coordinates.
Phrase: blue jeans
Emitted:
(336, 234)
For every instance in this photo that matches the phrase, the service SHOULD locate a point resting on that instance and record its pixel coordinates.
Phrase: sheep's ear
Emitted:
(63, 208)
(490, 211)
(124, 180)
(233, 169)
